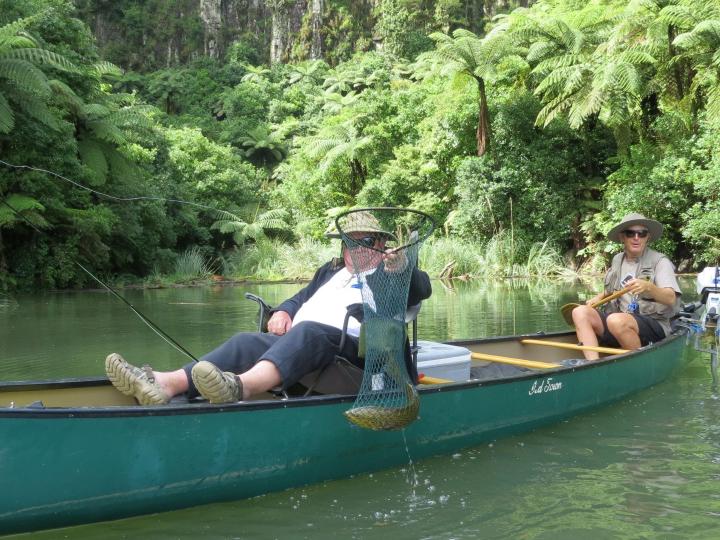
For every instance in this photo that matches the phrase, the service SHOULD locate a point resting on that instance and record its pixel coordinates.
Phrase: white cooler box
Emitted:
(443, 361)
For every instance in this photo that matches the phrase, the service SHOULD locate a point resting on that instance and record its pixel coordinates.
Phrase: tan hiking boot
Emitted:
(134, 381)
(214, 385)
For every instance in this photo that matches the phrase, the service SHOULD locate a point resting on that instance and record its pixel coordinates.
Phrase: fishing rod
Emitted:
(154, 327)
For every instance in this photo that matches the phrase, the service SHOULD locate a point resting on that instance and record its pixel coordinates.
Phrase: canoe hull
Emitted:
(63, 467)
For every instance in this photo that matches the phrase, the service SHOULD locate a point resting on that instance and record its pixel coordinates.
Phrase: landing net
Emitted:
(383, 244)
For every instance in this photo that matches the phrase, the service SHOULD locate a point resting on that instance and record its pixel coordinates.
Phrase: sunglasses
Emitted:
(630, 233)
(364, 241)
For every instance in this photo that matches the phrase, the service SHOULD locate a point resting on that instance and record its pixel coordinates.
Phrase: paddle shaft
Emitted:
(433, 380)
(609, 297)
(567, 309)
(513, 361)
(572, 346)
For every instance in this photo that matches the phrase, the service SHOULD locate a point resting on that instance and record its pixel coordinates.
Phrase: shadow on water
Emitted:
(647, 467)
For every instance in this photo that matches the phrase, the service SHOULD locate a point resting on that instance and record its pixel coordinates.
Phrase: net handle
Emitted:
(415, 238)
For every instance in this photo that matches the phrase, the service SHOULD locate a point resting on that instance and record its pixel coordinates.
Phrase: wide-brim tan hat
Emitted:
(654, 228)
(362, 221)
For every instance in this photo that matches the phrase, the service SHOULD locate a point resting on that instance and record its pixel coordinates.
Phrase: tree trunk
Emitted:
(475, 15)
(483, 128)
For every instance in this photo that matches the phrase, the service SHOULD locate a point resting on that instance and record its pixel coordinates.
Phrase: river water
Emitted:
(644, 468)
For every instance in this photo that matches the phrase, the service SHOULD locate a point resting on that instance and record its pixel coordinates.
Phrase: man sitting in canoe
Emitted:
(642, 315)
(304, 334)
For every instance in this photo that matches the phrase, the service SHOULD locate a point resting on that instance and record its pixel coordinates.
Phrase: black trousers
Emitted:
(305, 348)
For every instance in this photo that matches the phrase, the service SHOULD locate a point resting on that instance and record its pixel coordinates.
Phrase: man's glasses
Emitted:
(363, 241)
(630, 233)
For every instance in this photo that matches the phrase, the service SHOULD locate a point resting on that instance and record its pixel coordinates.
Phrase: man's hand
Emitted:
(644, 287)
(595, 299)
(395, 261)
(279, 323)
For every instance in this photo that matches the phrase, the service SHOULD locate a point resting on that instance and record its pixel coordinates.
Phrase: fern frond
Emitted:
(25, 76)
(552, 110)
(92, 155)
(39, 56)
(11, 29)
(554, 80)
(7, 117)
(16, 42)
(679, 16)
(540, 50)
(713, 102)
(706, 33)
(21, 204)
(106, 131)
(105, 68)
(120, 167)
(129, 117)
(557, 62)
(95, 111)
(67, 96)
(37, 108)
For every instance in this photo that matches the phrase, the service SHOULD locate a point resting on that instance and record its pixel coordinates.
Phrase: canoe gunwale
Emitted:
(294, 402)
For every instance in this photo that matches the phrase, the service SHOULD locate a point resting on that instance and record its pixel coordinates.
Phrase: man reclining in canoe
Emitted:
(642, 315)
(304, 334)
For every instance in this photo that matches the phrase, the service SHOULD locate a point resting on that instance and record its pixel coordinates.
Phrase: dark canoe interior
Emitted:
(97, 392)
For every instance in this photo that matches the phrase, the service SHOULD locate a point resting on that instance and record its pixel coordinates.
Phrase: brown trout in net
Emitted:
(387, 418)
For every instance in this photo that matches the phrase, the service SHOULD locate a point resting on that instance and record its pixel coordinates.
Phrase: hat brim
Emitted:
(655, 229)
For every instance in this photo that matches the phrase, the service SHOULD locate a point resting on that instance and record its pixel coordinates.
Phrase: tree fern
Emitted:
(23, 84)
(23, 205)
(272, 220)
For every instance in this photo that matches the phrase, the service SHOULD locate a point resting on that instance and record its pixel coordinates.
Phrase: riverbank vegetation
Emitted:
(526, 135)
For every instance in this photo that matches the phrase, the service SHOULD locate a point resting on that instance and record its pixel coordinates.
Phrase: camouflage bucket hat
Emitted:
(362, 221)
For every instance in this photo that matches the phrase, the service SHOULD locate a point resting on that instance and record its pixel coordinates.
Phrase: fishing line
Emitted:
(114, 197)
(154, 327)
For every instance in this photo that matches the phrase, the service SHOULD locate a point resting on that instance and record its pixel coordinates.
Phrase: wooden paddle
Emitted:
(567, 309)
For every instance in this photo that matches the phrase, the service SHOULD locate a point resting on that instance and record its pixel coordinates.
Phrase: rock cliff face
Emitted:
(175, 31)
(141, 34)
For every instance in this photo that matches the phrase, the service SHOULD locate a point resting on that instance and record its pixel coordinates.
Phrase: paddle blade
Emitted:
(566, 312)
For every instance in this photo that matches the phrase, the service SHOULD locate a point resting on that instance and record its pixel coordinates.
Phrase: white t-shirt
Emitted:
(328, 305)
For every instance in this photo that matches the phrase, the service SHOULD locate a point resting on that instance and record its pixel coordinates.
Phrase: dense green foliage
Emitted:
(524, 136)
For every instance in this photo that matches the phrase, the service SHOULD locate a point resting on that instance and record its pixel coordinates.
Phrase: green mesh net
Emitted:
(383, 244)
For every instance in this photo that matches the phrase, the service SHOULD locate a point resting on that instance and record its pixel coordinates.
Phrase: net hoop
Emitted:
(413, 241)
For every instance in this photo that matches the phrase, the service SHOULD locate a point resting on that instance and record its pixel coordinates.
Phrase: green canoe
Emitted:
(77, 451)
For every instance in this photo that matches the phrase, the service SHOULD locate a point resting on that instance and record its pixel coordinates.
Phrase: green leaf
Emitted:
(7, 118)
(92, 155)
